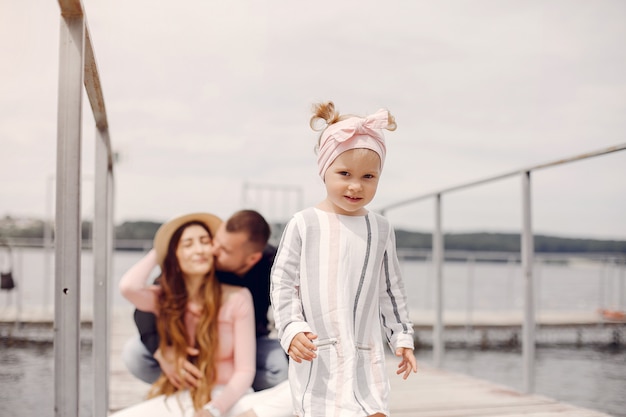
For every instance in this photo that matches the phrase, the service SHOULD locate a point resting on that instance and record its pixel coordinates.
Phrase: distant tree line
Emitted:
(136, 230)
(18, 228)
(509, 242)
(498, 242)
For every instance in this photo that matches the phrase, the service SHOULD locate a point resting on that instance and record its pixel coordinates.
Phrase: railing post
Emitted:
(67, 254)
(20, 290)
(47, 242)
(101, 255)
(438, 344)
(620, 269)
(602, 284)
(510, 282)
(469, 301)
(527, 249)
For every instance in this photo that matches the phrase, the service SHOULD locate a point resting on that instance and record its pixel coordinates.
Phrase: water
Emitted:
(592, 376)
(581, 286)
(27, 381)
(490, 286)
(33, 271)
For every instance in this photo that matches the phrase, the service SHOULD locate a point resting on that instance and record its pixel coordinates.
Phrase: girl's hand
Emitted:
(302, 347)
(408, 362)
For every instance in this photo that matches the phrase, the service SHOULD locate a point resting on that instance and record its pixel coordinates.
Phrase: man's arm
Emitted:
(146, 325)
(259, 279)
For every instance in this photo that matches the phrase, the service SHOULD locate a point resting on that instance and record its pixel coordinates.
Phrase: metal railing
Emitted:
(78, 68)
(527, 255)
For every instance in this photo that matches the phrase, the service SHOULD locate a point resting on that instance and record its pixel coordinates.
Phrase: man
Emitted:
(244, 258)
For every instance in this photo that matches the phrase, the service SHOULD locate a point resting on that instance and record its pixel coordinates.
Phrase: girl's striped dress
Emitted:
(338, 276)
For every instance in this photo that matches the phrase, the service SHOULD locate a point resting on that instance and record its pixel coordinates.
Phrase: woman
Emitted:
(199, 319)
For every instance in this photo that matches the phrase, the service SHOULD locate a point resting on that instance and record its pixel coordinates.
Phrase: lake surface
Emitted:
(581, 285)
(590, 376)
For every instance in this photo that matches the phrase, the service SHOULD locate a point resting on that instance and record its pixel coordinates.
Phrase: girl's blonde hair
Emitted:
(172, 303)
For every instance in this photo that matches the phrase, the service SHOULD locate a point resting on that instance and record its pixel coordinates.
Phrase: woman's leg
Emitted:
(177, 405)
(249, 413)
(272, 402)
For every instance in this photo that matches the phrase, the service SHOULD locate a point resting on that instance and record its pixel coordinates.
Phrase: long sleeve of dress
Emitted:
(285, 287)
(393, 303)
(237, 336)
(133, 284)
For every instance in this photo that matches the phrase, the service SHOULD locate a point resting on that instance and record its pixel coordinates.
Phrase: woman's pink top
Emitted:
(237, 338)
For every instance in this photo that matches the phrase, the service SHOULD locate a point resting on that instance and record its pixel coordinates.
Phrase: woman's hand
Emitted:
(189, 374)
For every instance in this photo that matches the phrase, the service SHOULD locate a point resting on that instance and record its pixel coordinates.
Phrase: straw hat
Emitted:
(164, 234)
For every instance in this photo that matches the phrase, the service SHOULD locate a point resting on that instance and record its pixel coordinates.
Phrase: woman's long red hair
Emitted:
(172, 303)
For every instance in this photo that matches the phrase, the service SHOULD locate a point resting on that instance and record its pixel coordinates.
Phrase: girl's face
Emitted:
(195, 251)
(351, 181)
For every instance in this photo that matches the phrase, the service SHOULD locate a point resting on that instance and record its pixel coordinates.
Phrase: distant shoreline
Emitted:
(416, 245)
(137, 236)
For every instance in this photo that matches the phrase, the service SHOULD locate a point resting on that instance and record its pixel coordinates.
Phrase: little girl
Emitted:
(336, 279)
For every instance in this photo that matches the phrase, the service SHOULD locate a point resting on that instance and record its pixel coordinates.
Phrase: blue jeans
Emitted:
(271, 362)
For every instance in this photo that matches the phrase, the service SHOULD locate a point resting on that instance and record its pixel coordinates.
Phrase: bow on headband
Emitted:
(352, 133)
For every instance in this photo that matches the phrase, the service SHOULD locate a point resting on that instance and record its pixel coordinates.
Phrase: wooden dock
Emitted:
(430, 392)
(424, 319)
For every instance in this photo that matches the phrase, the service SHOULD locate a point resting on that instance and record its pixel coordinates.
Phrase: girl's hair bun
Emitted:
(324, 114)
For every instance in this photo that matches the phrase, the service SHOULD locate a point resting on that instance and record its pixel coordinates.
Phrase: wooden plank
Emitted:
(124, 389)
(437, 393)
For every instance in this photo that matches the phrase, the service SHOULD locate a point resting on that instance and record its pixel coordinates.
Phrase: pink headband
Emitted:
(352, 133)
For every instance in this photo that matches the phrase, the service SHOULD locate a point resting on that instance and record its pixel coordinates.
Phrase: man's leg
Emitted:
(139, 361)
(271, 363)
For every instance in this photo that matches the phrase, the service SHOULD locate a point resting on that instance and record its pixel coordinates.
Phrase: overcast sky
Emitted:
(204, 97)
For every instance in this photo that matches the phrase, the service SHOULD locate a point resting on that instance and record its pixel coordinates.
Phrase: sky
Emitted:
(209, 102)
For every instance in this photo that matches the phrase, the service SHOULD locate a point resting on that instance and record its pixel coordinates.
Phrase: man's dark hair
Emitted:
(252, 223)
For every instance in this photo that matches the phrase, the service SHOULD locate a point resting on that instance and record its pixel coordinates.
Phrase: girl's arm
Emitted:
(133, 284)
(244, 346)
(285, 287)
(393, 301)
